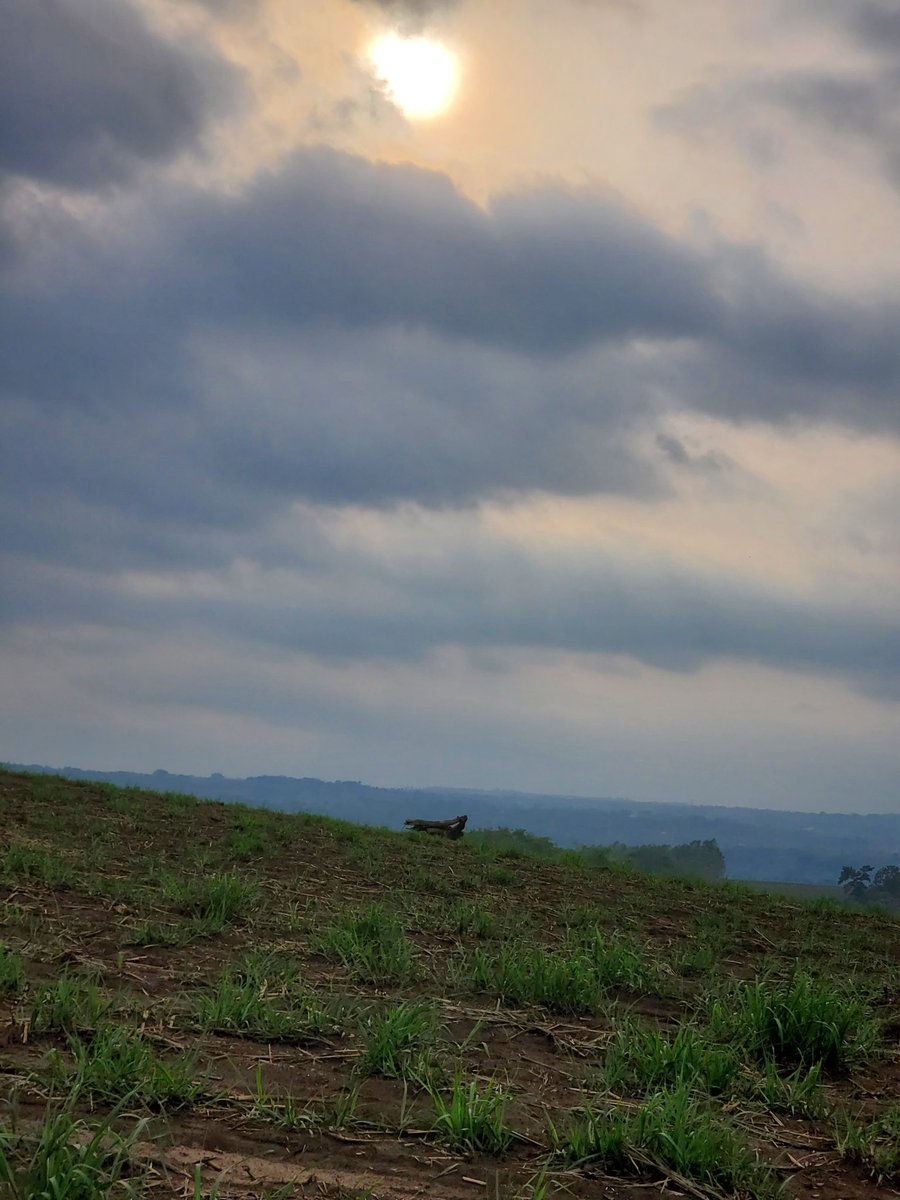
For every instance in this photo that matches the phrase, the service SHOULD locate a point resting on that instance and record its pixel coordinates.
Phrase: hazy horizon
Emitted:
(578, 797)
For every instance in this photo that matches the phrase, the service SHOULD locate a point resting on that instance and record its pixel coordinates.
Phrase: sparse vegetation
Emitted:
(118, 1065)
(257, 999)
(315, 984)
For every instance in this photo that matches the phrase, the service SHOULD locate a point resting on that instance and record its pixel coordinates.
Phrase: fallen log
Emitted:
(449, 829)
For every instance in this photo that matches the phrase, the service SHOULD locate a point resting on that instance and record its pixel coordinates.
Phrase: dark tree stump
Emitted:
(448, 829)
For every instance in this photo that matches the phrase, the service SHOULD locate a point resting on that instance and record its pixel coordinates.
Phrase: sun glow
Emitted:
(421, 76)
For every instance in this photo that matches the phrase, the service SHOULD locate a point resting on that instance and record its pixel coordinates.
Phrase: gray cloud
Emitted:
(343, 332)
(875, 23)
(476, 591)
(864, 107)
(333, 241)
(415, 11)
(858, 103)
(709, 462)
(87, 91)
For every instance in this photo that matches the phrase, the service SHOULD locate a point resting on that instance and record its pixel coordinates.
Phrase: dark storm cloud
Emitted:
(334, 238)
(709, 462)
(345, 332)
(333, 241)
(878, 25)
(87, 90)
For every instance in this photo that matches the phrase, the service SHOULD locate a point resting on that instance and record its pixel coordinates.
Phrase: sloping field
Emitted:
(205, 1000)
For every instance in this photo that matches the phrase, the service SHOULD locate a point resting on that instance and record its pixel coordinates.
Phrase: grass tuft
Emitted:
(471, 1118)
(371, 944)
(642, 1059)
(118, 1065)
(396, 1041)
(258, 1000)
(68, 1159)
(73, 1004)
(671, 1128)
(12, 972)
(804, 1020)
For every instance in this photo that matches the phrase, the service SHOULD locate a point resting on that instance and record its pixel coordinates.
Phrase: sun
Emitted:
(420, 75)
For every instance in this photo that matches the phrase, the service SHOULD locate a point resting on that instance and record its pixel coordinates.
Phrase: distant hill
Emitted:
(758, 844)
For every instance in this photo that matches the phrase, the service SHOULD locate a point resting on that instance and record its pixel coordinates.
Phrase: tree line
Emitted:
(692, 860)
(861, 885)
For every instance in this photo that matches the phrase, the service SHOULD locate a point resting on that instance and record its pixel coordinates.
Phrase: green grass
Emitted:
(641, 1059)
(371, 944)
(164, 933)
(524, 976)
(216, 899)
(434, 981)
(74, 1003)
(466, 917)
(803, 1020)
(873, 1144)
(572, 980)
(287, 1113)
(798, 1092)
(118, 1065)
(618, 962)
(262, 999)
(671, 1128)
(12, 972)
(19, 861)
(396, 1041)
(69, 1158)
(471, 1117)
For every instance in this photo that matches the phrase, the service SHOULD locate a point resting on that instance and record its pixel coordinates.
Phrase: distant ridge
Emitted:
(758, 844)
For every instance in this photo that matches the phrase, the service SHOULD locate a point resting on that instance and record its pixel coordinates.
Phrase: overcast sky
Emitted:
(550, 442)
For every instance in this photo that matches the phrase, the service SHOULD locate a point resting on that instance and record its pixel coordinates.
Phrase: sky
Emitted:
(549, 441)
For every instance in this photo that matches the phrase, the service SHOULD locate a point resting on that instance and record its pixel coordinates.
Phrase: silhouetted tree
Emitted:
(885, 887)
(855, 881)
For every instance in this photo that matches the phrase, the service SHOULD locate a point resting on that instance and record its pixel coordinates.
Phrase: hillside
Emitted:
(761, 844)
(209, 1000)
